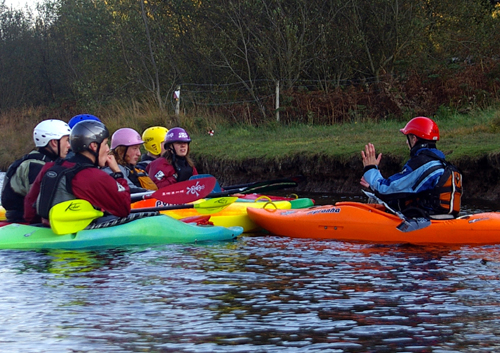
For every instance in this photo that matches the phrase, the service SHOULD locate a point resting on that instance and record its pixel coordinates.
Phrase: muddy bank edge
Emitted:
(329, 175)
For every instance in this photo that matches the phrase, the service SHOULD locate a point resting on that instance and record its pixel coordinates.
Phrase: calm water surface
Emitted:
(256, 294)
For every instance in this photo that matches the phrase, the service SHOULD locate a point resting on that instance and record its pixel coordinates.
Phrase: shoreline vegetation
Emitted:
(327, 155)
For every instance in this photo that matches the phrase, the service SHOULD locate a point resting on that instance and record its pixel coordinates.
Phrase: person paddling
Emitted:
(51, 138)
(126, 148)
(175, 164)
(154, 139)
(80, 177)
(427, 185)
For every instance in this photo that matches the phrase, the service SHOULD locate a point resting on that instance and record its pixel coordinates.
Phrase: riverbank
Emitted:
(331, 175)
(329, 156)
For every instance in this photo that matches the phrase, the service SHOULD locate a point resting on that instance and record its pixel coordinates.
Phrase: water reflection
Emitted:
(259, 294)
(256, 294)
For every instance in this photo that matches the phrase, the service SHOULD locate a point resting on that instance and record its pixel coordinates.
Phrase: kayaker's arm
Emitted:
(101, 190)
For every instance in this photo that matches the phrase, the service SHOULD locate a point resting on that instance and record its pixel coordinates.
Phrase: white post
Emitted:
(177, 96)
(277, 100)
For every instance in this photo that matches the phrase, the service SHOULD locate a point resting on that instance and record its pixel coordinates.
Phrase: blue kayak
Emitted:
(159, 229)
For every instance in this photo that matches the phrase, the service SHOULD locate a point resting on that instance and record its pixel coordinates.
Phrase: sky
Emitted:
(19, 4)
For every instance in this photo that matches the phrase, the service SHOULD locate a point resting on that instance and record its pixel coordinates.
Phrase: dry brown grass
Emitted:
(17, 125)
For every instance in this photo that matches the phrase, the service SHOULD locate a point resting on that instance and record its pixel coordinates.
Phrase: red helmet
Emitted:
(423, 128)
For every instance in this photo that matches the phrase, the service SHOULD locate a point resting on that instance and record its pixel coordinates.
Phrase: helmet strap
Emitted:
(96, 154)
(50, 151)
(124, 154)
(58, 148)
(408, 139)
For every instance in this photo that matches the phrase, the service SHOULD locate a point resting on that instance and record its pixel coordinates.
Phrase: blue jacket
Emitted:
(412, 180)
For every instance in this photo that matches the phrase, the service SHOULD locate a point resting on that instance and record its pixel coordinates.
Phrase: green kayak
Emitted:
(159, 229)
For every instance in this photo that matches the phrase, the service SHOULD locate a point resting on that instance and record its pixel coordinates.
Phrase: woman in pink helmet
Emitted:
(126, 147)
(175, 164)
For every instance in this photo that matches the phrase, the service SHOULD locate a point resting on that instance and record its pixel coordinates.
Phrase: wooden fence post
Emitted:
(277, 100)
(177, 96)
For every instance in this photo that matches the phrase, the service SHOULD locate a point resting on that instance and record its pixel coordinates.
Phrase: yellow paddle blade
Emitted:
(72, 216)
(214, 205)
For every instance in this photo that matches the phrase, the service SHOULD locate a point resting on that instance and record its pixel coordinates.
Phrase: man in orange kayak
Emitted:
(427, 185)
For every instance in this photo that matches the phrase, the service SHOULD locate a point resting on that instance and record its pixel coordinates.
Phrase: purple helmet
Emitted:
(125, 137)
(177, 134)
(82, 117)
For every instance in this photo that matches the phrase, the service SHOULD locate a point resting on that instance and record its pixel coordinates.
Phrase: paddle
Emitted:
(181, 192)
(408, 224)
(216, 188)
(75, 215)
(205, 207)
(258, 187)
(297, 179)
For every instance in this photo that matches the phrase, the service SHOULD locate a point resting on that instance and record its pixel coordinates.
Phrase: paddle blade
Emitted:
(216, 188)
(214, 205)
(411, 224)
(185, 191)
(72, 216)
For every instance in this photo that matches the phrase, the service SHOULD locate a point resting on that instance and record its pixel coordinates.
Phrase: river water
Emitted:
(256, 294)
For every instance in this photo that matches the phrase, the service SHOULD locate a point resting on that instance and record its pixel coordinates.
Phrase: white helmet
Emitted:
(51, 129)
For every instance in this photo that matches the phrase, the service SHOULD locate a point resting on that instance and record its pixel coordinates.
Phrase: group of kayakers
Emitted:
(73, 160)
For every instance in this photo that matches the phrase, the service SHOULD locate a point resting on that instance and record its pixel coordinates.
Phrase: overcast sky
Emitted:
(19, 4)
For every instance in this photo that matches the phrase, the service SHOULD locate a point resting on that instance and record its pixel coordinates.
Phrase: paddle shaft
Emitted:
(256, 188)
(375, 197)
(295, 179)
(209, 206)
(161, 208)
(408, 225)
(179, 193)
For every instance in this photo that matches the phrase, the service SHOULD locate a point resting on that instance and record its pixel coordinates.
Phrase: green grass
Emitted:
(462, 136)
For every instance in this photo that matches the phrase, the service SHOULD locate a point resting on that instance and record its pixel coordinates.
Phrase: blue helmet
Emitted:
(82, 117)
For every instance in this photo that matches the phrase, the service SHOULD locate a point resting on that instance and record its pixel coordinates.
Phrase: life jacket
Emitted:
(183, 171)
(141, 179)
(446, 197)
(11, 200)
(56, 186)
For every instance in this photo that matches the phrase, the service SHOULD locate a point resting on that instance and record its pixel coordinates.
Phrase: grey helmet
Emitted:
(86, 132)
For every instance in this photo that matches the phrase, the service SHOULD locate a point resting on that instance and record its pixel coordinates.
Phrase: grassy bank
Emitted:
(462, 136)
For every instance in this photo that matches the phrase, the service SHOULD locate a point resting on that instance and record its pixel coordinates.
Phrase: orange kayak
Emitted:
(353, 221)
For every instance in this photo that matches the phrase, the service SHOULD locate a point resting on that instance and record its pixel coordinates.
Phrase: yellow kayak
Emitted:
(233, 215)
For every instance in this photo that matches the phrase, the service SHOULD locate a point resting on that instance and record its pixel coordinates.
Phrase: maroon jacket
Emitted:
(163, 173)
(91, 184)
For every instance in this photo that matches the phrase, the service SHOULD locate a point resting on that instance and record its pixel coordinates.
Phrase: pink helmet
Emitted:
(125, 137)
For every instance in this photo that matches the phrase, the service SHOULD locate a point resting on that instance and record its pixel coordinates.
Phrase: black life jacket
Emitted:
(11, 200)
(182, 168)
(56, 186)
